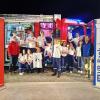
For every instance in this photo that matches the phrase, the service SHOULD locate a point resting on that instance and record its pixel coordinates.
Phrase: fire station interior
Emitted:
(22, 28)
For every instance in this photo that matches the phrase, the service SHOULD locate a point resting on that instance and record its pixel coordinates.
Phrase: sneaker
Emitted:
(45, 64)
(71, 72)
(59, 74)
(54, 74)
(86, 76)
(21, 73)
(81, 72)
(78, 71)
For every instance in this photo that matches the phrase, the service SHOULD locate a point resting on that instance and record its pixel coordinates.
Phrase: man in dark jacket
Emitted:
(87, 52)
(13, 51)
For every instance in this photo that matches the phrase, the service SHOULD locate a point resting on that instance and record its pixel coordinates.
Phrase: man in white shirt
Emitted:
(41, 40)
(77, 39)
(31, 42)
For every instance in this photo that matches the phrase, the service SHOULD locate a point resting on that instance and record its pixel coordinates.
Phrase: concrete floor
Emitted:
(49, 91)
(43, 86)
(46, 77)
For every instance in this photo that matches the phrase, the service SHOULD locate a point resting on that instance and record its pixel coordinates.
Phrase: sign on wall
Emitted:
(28, 18)
(97, 54)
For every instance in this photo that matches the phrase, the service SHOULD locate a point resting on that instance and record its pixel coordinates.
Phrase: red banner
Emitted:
(1, 51)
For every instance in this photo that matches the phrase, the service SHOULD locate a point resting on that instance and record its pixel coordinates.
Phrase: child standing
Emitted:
(71, 57)
(64, 52)
(57, 58)
(22, 62)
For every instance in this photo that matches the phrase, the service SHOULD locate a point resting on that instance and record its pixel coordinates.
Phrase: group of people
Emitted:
(23, 52)
(36, 53)
(75, 54)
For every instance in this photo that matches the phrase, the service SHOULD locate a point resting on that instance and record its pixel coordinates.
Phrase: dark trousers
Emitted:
(13, 66)
(23, 48)
(29, 68)
(70, 62)
(57, 64)
(79, 59)
(63, 63)
(47, 61)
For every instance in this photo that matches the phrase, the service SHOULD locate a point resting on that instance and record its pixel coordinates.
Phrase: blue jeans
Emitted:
(63, 61)
(21, 67)
(70, 62)
(29, 67)
(57, 64)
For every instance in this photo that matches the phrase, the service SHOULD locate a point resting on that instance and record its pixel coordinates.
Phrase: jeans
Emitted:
(86, 61)
(22, 67)
(79, 59)
(70, 62)
(57, 64)
(13, 62)
(29, 67)
(63, 63)
(48, 61)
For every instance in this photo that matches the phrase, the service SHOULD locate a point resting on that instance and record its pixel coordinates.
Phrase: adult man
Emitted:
(31, 42)
(87, 52)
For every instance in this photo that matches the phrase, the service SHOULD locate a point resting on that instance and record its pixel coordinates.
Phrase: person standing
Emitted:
(79, 56)
(87, 52)
(57, 58)
(71, 56)
(13, 52)
(64, 53)
(41, 41)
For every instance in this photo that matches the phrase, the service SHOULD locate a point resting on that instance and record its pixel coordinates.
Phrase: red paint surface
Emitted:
(1, 51)
(36, 29)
